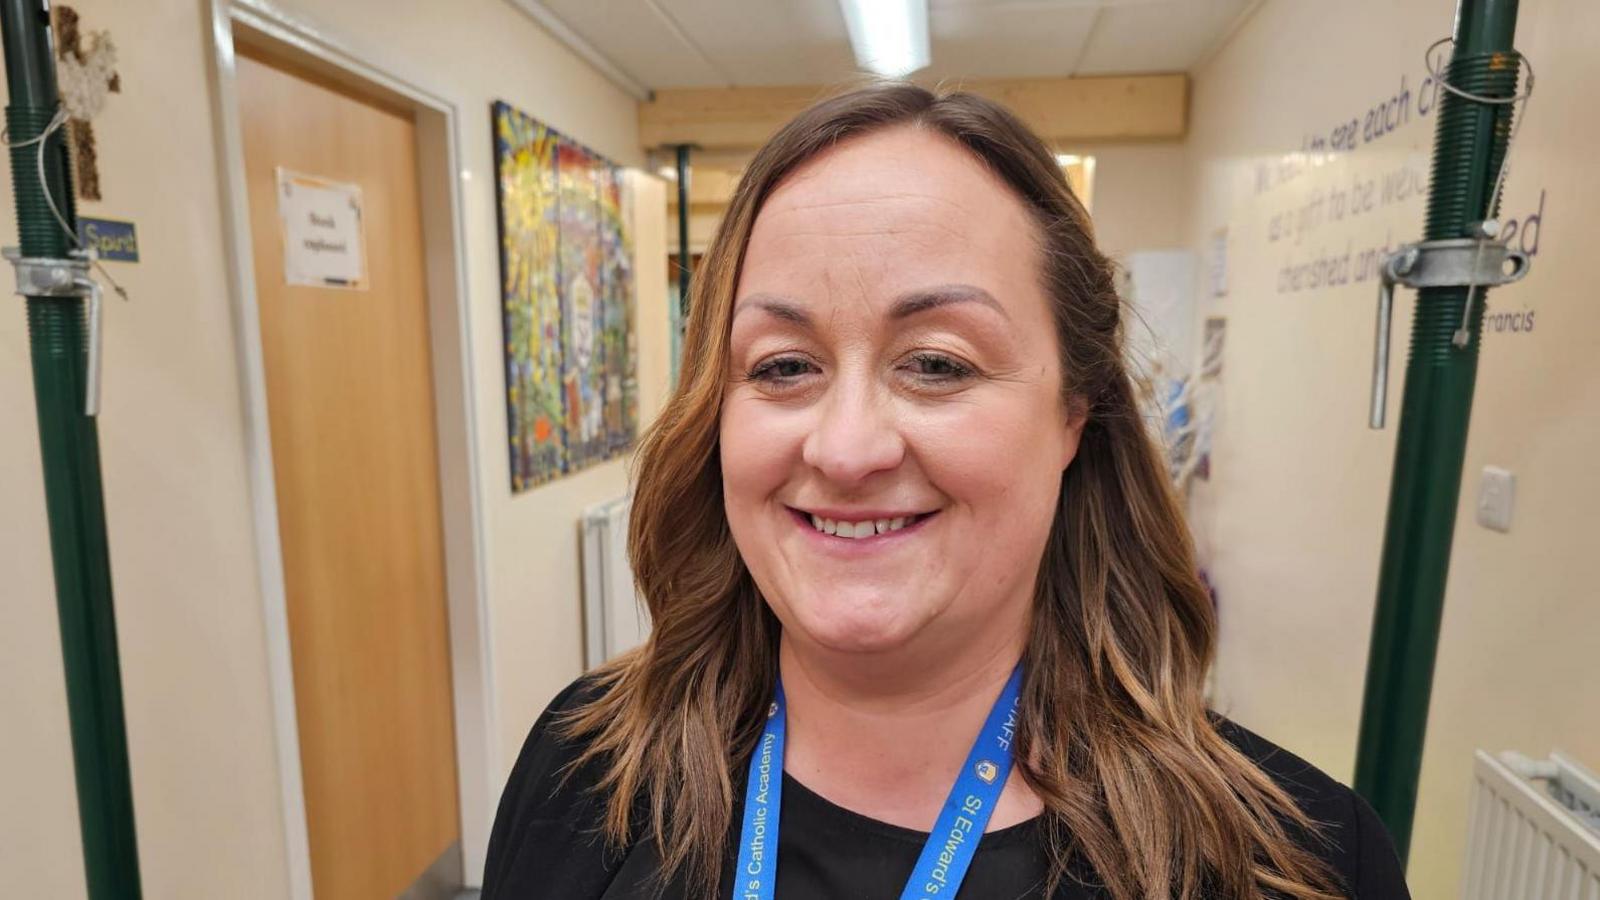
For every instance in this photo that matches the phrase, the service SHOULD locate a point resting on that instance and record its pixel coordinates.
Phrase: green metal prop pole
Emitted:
(683, 230)
(1468, 148)
(70, 447)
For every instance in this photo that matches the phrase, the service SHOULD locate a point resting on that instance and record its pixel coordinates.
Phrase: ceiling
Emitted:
(739, 43)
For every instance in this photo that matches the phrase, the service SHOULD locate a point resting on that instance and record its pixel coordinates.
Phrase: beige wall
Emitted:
(1291, 522)
(199, 705)
(1140, 196)
(190, 623)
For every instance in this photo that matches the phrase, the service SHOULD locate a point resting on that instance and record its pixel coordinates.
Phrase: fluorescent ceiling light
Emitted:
(890, 37)
(1068, 159)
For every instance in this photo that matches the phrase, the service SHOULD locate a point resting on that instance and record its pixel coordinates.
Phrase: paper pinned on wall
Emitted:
(324, 244)
(1217, 263)
(1161, 289)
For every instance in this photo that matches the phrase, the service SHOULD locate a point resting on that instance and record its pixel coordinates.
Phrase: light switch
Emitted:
(1497, 492)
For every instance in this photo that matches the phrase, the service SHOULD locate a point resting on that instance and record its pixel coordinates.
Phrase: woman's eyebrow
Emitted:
(781, 307)
(924, 299)
(904, 306)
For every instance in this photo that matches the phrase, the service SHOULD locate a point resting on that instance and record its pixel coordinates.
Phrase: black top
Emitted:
(546, 843)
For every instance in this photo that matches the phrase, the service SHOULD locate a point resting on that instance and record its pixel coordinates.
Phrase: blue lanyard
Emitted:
(950, 847)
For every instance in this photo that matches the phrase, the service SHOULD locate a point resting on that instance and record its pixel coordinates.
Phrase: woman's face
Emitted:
(893, 431)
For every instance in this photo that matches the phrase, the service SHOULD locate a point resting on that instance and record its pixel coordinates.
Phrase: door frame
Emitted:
(293, 38)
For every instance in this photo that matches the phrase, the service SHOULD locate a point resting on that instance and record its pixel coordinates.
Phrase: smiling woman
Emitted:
(892, 356)
(922, 596)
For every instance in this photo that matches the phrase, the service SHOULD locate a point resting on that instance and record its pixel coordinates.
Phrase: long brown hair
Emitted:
(1114, 737)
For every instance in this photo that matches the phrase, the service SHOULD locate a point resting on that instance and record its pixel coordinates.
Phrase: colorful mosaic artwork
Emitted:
(619, 342)
(566, 266)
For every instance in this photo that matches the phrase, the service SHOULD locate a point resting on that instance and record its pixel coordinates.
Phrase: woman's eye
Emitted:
(783, 368)
(936, 367)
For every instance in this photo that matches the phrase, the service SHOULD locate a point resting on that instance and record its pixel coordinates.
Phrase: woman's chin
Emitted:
(852, 629)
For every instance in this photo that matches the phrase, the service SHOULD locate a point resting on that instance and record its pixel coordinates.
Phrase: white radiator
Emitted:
(1534, 831)
(613, 618)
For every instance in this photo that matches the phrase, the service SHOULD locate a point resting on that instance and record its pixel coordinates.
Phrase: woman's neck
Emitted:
(885, 735)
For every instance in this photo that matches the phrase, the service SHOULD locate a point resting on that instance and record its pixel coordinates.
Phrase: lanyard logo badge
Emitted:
(986, 771)
(772, 710)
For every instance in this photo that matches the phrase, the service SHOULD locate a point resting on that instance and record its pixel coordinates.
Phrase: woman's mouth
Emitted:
(858, 528)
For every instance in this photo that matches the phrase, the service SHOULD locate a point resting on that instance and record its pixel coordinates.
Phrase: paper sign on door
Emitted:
(324, 244)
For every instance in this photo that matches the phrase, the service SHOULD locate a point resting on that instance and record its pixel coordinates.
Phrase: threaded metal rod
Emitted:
(69, 445)
(1435, 412)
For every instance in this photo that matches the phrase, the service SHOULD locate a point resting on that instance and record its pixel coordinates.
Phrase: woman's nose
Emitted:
(855, 433)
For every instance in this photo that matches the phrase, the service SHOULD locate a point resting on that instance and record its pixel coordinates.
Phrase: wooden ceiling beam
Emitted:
(1062, 110)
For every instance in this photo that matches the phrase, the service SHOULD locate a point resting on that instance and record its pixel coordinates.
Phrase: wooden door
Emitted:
(350, 402)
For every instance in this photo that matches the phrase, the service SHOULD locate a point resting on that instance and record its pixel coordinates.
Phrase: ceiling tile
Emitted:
(1157, 36)
(768, 42)
(635, 40)
(1008, 38)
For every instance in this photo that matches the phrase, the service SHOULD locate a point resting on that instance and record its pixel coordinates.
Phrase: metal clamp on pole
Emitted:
(1472, 263)
(65, 278)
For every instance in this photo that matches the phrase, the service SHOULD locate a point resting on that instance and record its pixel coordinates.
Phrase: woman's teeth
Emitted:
(839, 528)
